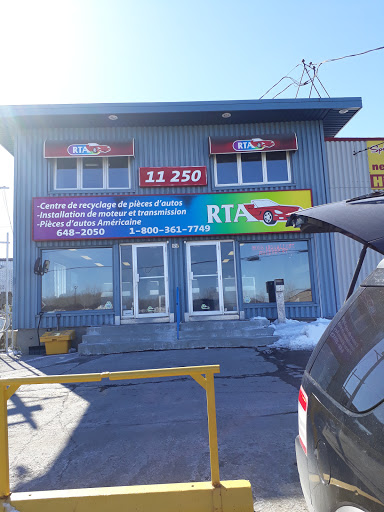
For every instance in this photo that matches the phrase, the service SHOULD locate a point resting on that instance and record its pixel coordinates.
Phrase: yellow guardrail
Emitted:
(215, 496)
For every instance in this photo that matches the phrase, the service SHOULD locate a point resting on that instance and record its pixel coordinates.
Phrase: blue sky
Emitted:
(83, 51)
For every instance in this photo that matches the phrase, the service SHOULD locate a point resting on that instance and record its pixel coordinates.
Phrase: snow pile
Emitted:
(296, 335)
(14, 352)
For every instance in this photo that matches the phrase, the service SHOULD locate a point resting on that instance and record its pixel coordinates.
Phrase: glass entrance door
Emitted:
(211, 278)
(144, 280)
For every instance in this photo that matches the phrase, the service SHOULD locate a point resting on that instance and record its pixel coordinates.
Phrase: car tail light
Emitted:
(303, 406)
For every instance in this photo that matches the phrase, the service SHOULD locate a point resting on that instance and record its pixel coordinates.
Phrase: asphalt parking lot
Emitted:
(155, 431)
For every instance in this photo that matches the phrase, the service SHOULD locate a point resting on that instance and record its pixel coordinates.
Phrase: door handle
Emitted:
(191, 276)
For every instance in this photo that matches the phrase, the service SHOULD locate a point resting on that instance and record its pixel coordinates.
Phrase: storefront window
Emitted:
(229, 277)
(78, 279)
(262, 263)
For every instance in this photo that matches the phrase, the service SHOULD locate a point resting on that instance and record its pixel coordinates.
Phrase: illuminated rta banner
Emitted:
(98, 217)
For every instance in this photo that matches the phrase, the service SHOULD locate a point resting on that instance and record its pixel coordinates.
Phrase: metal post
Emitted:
(4, 457)
(212, 430)
(279, 287)
(178, 312)
(6, 297)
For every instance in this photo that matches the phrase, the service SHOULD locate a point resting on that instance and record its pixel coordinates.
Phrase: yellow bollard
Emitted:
(4, 456)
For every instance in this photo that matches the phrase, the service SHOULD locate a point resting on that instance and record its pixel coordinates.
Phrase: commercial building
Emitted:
(124, 210)
(355, 168)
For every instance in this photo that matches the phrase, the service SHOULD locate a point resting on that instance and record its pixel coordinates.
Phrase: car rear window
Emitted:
(350, 364)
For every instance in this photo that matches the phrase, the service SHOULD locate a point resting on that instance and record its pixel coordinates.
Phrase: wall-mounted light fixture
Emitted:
(41, 269)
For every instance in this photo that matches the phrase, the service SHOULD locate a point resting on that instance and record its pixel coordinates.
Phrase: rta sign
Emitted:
(90, 149)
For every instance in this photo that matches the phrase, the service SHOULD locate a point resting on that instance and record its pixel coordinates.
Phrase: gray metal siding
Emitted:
(349, 177)
(158, 146)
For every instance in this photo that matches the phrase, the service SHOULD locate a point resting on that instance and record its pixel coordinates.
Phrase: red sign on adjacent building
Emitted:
(253, 143)
(172, 176)
(70, 149)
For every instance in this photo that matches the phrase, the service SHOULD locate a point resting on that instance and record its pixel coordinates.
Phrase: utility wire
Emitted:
(323, 87)
(315, 68)
(281, 79)
(348, 56)
(278, 94)
(6, 206)
(301, 79)
(366, 149)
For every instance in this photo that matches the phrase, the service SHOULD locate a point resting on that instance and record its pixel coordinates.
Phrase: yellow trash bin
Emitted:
(57, 342)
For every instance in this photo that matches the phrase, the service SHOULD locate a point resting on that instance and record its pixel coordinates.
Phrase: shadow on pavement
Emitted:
(155, 431)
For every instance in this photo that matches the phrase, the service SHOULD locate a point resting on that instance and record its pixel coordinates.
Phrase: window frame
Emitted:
(265, 181)
(79, 183)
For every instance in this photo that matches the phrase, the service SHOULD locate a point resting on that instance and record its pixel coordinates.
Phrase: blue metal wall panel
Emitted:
(86, 318)
(158, 146)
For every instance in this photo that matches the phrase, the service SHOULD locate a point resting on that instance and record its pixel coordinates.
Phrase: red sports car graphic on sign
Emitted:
(270, 212)
(261, 144)
(98, 148)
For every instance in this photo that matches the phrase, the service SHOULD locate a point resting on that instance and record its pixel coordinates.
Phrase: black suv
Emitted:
(340, 447)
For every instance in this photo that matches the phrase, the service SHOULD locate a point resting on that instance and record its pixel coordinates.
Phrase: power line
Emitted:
(366, 149)
(315, 69)
(6, 207)
(301, 79)
(281, 79)
(348, 56)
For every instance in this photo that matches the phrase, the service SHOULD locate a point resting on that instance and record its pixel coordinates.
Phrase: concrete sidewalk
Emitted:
(109, 339)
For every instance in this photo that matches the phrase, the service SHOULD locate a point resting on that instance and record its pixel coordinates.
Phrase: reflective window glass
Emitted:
(277, 167)
(252, 167)
(226, 169)
(66, 173)
(262, 263)
(77, 279)
(92, 172)
(204, 259)
(151, 275)
(126, 280)
(350, 364)
(118, 172)
(229, 276)
(205, 282)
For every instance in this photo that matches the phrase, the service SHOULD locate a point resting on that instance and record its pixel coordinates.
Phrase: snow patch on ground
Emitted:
(296, 335)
